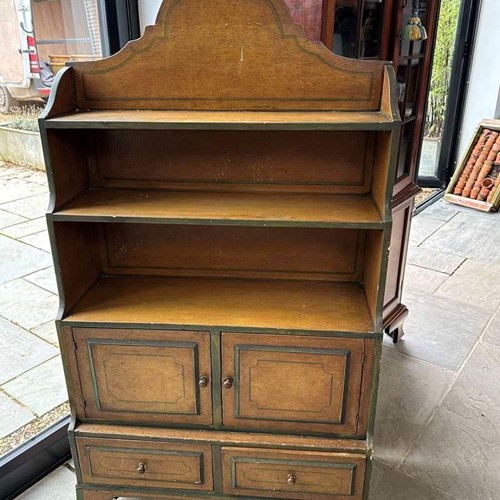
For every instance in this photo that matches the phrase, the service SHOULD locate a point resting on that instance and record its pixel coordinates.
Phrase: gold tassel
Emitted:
(414, 29)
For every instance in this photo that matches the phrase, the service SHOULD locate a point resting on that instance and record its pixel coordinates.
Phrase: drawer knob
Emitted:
(228, 383)
(291, 479)
(141, 468)
(203, 382)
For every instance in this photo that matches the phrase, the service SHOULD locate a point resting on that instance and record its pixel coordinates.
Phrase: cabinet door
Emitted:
(296, 384)
(145, 375)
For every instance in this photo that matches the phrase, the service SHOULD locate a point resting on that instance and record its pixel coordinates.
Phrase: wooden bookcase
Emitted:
(220, 223)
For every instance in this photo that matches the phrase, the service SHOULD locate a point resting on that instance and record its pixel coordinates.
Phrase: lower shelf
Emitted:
(288, 305)
(131, 461)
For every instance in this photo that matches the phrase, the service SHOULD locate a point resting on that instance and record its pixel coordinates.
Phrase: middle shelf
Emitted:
(209, 302)
(195, 207)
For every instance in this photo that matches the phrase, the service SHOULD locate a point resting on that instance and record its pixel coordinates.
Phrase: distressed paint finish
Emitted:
(228, 217)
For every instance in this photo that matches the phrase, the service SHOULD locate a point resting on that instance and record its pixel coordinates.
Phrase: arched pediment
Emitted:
(228, 55)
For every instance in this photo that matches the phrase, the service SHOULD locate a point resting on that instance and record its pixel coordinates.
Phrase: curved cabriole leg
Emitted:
(394, 327)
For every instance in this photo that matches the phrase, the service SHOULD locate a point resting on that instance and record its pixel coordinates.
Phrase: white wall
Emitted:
(147, 12)
(484, 84)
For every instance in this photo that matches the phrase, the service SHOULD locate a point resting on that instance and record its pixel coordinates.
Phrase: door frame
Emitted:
(455, 103)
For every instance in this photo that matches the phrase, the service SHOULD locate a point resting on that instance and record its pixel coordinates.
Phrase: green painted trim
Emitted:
(370, 225)
(145, 452)
(144, 125)
(222, 328)
(284, 462)
(216, 364)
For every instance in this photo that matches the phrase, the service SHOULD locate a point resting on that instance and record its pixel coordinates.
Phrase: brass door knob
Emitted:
(228, 383)
(141, 468)
(203, 382)
(291, 479)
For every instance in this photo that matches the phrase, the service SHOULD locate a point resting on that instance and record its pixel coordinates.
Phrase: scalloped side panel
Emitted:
(228, 55)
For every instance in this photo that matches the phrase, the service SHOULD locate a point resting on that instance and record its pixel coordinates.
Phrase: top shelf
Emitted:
(219, 120)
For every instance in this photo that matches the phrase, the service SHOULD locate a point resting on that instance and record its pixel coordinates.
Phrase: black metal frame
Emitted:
(455, 104)
(121, 20)
(30, 462)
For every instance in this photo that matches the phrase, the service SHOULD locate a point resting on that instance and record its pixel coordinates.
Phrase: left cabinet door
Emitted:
(133, 375)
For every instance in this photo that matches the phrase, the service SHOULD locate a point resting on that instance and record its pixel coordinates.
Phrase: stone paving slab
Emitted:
(26, 228)
(32, 207)
(45, 278)
(12, 189)
(439, 330)
(8, 219)
(390, 484)
(41, 388)
(410, 390)
(421, 229)
(475, 283)
(60, 485)
(47, 332)
(458, 451)
(18, 259)
(39, 240)
(27, 305)
(423, 279)
(431, 259)
(13, 415)
(492, 334)
(468, 235)
(20, 351)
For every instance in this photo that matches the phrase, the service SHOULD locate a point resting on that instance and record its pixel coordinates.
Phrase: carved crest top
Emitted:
(228, 55)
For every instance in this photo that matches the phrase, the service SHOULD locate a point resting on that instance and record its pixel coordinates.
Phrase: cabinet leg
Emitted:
(394, 325)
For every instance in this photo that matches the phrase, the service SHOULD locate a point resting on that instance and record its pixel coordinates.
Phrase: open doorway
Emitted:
(444, 107)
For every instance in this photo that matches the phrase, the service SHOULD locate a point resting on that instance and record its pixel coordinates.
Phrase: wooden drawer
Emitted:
(292, 474)
(146, 463)
(296, 384)
(150, 376)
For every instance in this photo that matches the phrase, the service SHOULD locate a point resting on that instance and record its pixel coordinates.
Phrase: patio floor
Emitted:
(438, 420)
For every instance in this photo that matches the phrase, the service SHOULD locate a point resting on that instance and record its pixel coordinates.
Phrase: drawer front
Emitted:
(146, 464)
(296, 384)
(292, 474)
(145, 375)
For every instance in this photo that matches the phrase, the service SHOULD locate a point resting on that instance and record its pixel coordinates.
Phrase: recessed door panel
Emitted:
(145, 375)
(296, 384)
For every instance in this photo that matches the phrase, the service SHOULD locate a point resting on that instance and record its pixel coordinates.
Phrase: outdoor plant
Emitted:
(441, 68)
(24, 118)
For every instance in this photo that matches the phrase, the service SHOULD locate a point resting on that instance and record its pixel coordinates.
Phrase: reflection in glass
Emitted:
(357, 28)
(370, 32)
(307, 13)
(65, 30)
(345, 28)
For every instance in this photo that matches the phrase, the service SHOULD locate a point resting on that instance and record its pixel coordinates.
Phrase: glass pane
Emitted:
(345, 28)
(371, 29)
(65, 30)
(440, 81)
(404, 160)
(357, 28)
(308, 13)
(401, 79)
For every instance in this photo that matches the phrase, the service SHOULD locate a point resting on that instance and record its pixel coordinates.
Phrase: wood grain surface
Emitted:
(300, 305)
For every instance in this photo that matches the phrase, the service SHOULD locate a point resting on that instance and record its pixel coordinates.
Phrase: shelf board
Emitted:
(219, 303)
(225, 120)
(196, 207)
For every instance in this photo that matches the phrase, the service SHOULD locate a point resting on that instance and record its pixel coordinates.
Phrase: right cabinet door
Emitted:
(296, 384)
